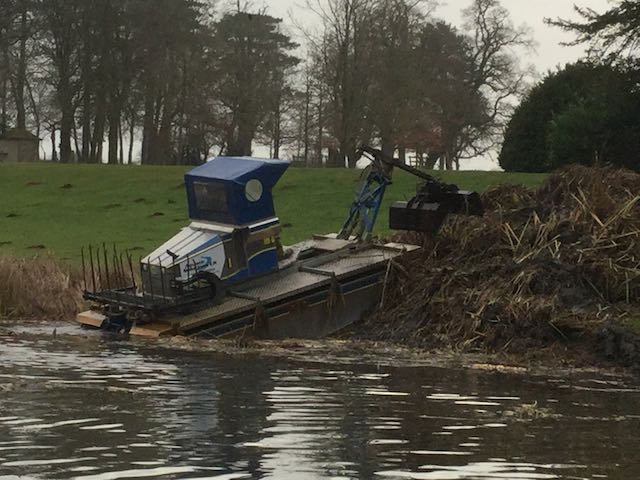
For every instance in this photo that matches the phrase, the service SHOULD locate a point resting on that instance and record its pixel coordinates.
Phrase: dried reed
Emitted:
(38, 288)
(542, 266)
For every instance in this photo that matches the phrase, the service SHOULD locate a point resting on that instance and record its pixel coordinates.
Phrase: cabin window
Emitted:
(254, 190)
(211, 197)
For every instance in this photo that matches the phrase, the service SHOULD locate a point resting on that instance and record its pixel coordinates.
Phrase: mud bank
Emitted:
(555, 269)
(327, 351)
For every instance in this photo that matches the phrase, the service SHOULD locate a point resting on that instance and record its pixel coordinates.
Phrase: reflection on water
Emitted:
(102, 410)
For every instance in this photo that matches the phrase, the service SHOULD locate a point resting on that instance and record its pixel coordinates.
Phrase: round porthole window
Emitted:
(254, 190)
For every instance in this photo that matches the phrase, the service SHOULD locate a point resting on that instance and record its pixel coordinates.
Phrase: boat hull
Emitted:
(308, 300)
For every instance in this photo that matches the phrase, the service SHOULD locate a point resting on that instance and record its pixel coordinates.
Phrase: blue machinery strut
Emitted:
(424, 213)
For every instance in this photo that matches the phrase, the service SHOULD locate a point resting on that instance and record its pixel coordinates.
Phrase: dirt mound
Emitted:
(557, 264)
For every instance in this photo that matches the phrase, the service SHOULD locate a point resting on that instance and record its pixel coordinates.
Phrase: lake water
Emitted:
(103, 408)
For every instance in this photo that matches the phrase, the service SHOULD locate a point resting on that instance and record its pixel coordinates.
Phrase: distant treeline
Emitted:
(191, 78)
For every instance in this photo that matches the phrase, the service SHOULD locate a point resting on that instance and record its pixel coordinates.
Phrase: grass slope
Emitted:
(59, 208)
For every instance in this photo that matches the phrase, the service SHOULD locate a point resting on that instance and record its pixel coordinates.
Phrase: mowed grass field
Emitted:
(56, 209)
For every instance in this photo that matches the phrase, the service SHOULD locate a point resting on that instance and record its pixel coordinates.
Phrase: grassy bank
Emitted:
(59, 208)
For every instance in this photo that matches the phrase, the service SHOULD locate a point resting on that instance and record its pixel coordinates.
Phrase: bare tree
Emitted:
(254, 61)
(496, 73)
(395, 87)
(344, 56)
(61, 47)
(17, 32)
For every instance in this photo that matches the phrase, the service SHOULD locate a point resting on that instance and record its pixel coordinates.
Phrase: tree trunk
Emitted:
(277, 133)
(98, 133)
(307, 106)
(121, 143)
(432, 160)
(87, 94)
(101, 152)
(66, 128)
(86, 126)
(319, 143)
(114, 122)
(352, 159)
(21, 73)
(54, 147)
(164, 142)
(34, 108)
(132, 128)
(388, 148)
(147, 131)
(402, 153)
(76, 143)
(240, 145)
(350, 154)
(3, 100)
(334, 157)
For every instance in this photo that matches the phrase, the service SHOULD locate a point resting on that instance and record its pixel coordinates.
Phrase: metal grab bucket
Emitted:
(427, 211)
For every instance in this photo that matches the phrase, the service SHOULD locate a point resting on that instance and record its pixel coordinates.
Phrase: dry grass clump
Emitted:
(546, 265)
(38, 288)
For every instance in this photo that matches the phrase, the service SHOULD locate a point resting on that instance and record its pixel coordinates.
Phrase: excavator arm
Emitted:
(425, 212)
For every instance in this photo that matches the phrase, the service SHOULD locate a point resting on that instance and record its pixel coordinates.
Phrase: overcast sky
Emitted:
(530, 12)
(549, 52)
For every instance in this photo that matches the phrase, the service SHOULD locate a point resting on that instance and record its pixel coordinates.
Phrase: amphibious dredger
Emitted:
(228, 274)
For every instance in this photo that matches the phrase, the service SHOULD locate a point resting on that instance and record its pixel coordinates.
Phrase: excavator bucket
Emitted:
(427, 211)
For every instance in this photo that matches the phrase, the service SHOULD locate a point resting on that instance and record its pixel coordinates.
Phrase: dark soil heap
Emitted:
(557, 265)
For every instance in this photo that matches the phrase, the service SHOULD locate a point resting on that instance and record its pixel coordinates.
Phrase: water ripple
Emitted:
(103, 410)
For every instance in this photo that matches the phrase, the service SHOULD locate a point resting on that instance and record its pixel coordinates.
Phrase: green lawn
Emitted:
(58, 208)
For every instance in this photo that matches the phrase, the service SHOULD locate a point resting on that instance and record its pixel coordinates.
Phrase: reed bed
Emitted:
(38, 288)
(556, 264)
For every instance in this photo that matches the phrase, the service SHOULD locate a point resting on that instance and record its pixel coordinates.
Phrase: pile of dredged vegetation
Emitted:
(552, 266)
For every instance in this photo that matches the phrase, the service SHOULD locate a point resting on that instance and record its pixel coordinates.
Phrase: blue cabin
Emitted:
(233, 190)
(234, 232)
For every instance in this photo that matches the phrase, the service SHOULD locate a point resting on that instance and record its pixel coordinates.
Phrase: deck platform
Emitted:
(309, 299)
(324, 285)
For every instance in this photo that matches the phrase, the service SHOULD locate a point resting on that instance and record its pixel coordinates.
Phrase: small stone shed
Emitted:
(18, 145)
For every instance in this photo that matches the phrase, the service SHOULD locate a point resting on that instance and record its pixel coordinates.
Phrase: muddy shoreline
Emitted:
(553, 361)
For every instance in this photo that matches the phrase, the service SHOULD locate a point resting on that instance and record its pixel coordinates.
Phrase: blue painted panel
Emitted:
(239, 276)
(264, 262)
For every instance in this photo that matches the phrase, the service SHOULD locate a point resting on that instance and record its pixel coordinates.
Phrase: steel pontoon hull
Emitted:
(308, 300)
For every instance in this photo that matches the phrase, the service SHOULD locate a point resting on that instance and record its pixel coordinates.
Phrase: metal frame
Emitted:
(121, 292)
(366, 207)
